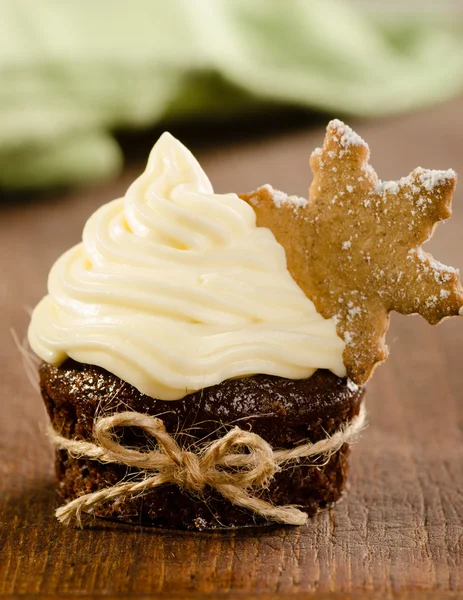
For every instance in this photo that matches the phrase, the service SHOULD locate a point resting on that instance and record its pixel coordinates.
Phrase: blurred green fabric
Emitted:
(72, 72)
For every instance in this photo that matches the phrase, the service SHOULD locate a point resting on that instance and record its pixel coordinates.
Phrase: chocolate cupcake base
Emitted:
(284, 412)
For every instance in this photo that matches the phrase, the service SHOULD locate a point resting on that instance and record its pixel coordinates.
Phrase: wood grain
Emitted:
(398, 532)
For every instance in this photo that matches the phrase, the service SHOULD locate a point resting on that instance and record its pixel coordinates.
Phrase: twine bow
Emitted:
(220, 464)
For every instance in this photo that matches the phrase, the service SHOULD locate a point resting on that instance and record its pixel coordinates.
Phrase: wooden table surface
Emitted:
(399, 530)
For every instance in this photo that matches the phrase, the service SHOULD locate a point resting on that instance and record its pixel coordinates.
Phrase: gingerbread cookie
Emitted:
(354, 246)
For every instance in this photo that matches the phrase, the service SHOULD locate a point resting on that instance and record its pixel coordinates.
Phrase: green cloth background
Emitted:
(73, 71)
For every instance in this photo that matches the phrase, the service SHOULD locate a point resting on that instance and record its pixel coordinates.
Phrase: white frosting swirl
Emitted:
(175, 288)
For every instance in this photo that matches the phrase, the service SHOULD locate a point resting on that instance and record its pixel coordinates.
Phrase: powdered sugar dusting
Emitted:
(432, 179)
(428, 179)
(348, 337)
(353, 387)
(438, 266)
(386, 186)
(442, 273)
(280, 198)
(348, 137)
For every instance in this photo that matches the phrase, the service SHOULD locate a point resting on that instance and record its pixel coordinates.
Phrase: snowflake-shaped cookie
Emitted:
(355, 246)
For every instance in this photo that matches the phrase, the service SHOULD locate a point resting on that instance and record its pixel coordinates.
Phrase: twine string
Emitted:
(239, 477)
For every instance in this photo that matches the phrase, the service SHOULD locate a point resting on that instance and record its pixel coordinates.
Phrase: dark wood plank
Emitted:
(399, 530)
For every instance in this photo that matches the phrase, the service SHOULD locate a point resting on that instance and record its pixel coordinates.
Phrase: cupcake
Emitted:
(205, 355)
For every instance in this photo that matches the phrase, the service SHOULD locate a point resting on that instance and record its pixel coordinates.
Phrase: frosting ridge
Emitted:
(174, 288)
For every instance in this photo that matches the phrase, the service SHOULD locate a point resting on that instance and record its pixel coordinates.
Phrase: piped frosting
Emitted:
(174, 288)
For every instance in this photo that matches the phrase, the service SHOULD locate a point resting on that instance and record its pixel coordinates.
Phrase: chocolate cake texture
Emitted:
(284, 412)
